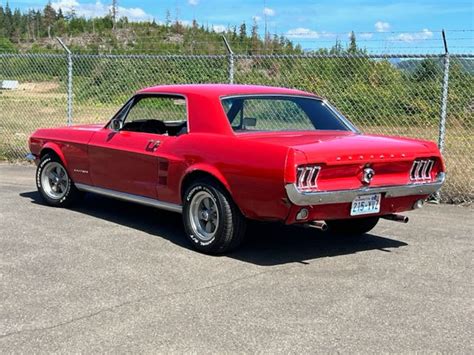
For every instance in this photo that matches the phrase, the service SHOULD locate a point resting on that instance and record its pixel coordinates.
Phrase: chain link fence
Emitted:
(420, 96)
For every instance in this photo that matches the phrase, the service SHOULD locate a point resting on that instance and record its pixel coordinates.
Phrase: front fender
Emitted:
(56, 149)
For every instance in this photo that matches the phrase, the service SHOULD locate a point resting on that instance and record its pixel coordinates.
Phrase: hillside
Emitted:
(35, 31)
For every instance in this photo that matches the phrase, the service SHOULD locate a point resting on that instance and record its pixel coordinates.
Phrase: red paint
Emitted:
(253, 167)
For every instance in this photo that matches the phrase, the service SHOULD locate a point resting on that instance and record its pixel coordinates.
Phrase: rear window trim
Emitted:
(350, 126)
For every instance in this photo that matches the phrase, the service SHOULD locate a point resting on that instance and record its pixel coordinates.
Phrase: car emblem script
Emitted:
(368, 175)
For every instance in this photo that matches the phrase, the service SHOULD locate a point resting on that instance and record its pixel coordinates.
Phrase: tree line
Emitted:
(34, 30)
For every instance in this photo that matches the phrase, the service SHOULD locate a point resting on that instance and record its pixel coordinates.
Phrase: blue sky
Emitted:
(388, 25)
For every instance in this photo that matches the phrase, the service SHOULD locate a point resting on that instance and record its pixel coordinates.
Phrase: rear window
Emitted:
(282, 113)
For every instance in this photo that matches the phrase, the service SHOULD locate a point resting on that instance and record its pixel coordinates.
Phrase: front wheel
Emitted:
(212, 221)
(53, 182)
(352, 227)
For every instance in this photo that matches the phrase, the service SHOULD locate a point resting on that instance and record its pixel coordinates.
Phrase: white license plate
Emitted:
(365, 204)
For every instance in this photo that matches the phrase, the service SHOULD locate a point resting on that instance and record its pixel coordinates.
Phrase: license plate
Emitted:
(365, 204)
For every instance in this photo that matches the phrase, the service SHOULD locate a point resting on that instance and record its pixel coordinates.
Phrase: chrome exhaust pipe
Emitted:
(321, 225)
(396, 218)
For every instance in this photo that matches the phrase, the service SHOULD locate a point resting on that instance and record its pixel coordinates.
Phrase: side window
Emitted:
(162, 108)
(166, 115)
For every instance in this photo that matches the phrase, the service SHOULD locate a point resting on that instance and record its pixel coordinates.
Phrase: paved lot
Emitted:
(112, 276)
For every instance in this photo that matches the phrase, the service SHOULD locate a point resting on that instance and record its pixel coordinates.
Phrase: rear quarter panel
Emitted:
(253, 172)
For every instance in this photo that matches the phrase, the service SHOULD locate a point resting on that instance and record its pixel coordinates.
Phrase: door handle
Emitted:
(153, 145)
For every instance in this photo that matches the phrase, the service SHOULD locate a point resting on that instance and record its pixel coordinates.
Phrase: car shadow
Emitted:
(266, 244)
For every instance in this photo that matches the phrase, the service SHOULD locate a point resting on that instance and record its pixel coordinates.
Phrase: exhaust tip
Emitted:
(321, 225)
(396, 218)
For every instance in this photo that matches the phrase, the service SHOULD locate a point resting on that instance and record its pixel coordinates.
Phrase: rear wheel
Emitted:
(53, 182)
(352, 227)
(212, 221)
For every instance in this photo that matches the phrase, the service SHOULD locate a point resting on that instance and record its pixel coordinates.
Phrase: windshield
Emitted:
(282, 113)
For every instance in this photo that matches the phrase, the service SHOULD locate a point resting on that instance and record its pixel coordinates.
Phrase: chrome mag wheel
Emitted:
(204, 216)
(54, 180)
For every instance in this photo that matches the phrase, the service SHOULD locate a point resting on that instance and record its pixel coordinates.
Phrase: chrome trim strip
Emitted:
(341, 196)
(131, 198)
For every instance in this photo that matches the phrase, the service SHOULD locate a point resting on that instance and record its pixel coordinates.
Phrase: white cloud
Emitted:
(302, 32)
(193, 2)
(256, 18)
(219, 28)
(99, 9)
(64, 4)
(269, 12)
(132, 13)
(413, 36)
(381, 26)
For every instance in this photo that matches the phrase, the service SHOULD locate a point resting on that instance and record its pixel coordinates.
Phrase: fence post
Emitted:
(69, 81)
(231, 60)
(444, 96)
(436, 197)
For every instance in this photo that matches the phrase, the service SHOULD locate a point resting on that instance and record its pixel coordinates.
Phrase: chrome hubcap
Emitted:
(204, 216)
(54, 180)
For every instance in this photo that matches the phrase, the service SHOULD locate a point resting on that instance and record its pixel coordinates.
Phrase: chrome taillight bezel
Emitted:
(306, 177)
(421, 170)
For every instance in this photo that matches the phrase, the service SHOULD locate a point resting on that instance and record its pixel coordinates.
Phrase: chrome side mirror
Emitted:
(116, 125)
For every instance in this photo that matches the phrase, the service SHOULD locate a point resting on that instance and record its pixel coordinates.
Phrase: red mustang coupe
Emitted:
(222, 154)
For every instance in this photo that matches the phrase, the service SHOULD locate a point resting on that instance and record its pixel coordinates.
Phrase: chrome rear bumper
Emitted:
(341, 196)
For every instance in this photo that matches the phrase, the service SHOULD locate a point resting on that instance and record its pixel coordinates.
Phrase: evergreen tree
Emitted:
(242, 32)
(50, 17)
(337, 48)
(254, 37)
(7, 22)
(2, 22)
(16, 26)
(168, 18)
(352, 44)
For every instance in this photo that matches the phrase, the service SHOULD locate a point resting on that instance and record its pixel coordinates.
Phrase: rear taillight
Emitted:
(421, 170)
(306, 177)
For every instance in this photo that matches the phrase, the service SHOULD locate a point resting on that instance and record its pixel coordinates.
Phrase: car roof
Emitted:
(222, 90)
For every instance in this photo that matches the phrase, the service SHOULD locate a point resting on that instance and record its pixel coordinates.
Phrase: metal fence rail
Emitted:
(421, 96)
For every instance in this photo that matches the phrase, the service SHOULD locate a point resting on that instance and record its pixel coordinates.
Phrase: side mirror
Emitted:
(116, 125)
(249, 122)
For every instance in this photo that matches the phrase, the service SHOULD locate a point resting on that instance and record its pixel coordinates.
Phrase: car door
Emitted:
(127, 159)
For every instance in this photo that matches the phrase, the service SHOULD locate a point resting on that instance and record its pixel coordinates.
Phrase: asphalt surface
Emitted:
(117, 277)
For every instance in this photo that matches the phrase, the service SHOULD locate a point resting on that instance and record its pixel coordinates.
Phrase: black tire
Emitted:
(228, 229)
(352, 227)
(68, 193)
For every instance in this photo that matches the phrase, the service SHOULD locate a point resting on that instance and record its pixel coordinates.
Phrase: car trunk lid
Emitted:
(344, 155)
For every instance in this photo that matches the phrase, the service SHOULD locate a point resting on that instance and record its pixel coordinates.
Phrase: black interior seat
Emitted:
(154, 126)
